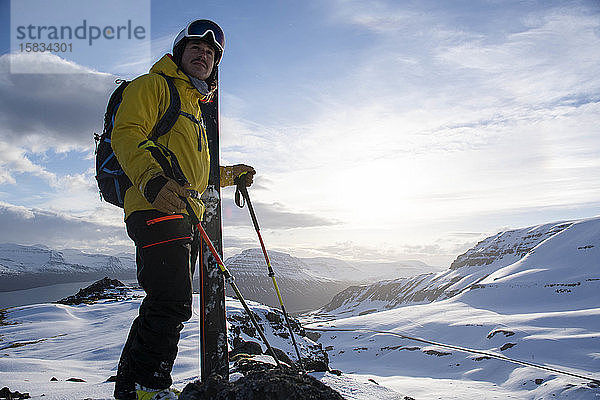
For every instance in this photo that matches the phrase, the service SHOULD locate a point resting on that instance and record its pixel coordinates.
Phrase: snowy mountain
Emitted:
(302, 288)
(517, 316)
(308, 283)
(526, 328)
(562, 258)
(305, 283)
(24, 267)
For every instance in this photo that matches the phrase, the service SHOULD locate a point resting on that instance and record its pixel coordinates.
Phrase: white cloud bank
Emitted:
(438, 121)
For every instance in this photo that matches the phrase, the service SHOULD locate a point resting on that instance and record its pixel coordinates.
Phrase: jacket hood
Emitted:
(168, 67)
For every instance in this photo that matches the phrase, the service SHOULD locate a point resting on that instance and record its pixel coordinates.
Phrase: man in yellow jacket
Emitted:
(166, 241)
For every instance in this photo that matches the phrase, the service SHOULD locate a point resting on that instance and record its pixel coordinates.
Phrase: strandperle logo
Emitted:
(85, 31)
(66, 36)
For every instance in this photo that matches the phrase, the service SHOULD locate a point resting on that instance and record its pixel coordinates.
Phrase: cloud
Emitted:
(13, 160)
(233, 245)
(423, 115)
(444, 115)
(270, 216)
(58, 230)
(552, 58)
(438, 254)
(59, 111)
(47, 122)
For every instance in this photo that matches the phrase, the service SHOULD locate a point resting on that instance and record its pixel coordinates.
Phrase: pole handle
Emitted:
(242, 197)
(240, 191)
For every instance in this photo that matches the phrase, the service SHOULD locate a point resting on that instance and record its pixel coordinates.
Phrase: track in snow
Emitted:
(462, 349)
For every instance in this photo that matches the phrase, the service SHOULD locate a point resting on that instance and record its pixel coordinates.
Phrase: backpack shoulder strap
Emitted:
(170, 116)
(113, 105)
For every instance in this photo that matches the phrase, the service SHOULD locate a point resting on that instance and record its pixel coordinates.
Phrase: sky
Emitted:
(380, 131)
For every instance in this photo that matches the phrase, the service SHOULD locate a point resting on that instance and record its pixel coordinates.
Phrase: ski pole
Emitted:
(240, 182)
(229, 278)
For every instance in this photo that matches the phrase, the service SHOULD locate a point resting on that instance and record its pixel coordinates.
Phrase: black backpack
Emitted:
(112, 181)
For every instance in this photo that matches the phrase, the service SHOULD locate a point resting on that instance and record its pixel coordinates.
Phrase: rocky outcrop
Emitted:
(510, 246)
(104, 289)
(243, 337)
(5, 393)
(261, 381)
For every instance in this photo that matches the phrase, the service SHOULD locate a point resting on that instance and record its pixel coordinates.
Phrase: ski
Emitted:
(214, 358)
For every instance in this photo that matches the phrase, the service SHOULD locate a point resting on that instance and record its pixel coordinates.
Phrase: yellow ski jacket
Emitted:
(145, 100)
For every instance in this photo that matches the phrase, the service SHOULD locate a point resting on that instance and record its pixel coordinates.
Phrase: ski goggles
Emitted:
(201, 29)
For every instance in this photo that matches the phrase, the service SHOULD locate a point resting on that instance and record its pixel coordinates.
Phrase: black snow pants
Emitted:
(166, 253)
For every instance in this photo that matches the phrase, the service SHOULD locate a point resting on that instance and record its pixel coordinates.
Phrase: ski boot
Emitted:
(144, 393)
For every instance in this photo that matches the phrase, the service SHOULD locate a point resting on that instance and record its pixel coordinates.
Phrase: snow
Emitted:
(85, 341)
(523, 323)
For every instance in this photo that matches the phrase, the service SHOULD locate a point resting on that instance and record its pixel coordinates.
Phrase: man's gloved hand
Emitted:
(230, 173)
(239, 169)
(164, 194)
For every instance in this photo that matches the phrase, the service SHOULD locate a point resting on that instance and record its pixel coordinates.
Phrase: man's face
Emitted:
(198, 59)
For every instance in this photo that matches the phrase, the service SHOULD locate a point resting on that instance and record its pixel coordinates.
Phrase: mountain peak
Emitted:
(507, 247)
(557, 261)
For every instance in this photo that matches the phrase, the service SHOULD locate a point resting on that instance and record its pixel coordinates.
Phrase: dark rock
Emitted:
(261, 382)
(3, 315)
(507, 346)
(503, 331)
(242, 324)
(436, 353)
(104, 289)
(112, 378)
(75, 380)
(248, 365)
(336, 372)
(282, 356)
(371, 311)
(316, 366)
(5, 393)
(252, 348)
(53, 379)
(245, 347)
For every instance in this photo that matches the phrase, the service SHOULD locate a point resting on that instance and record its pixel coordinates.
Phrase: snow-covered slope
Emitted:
(517, 316)
(17, 259)
(528, 328)
(379, 346)
(46, 341)
(30, 266)
(558, 259)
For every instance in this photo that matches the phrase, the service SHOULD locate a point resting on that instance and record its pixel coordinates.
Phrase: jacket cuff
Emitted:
(153, 187)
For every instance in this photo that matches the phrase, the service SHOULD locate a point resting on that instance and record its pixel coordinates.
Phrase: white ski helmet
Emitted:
(203, 29)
